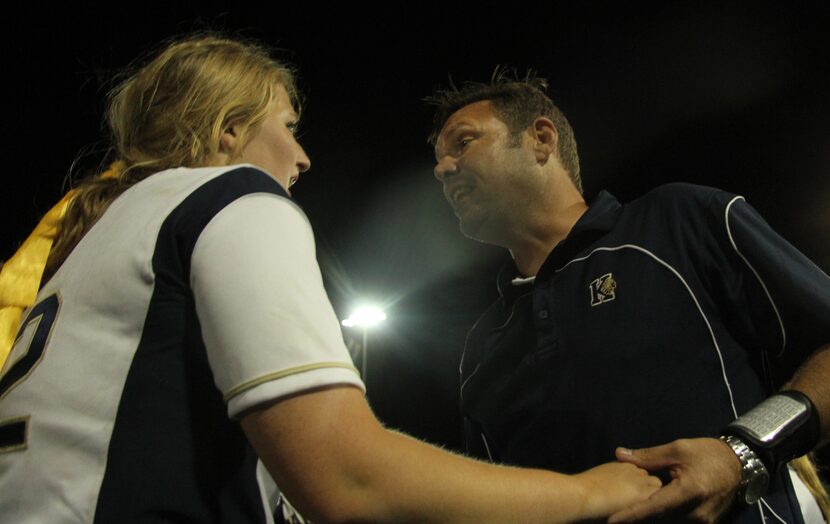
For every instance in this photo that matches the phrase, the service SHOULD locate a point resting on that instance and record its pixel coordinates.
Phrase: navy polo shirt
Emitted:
(664, 318)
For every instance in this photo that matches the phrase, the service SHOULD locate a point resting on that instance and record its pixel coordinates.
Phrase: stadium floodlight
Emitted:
(365, 318)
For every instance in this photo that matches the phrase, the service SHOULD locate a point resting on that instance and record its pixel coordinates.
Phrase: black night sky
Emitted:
(729, 94)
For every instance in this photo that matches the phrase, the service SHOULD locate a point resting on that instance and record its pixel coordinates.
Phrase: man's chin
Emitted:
(471, 228)
(480, 229)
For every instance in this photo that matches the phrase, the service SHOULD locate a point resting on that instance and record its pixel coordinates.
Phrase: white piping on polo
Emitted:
(705, 319)
(468, 379)
(702, 314)
(777, 316)
(487, 447)
(774, 514)
(760, 281)
(512, 311)
(691, 294)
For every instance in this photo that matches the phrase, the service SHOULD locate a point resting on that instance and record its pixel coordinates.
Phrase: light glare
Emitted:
(365, 317)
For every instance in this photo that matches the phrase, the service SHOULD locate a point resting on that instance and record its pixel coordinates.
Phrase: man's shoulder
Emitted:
(684, 192)
(675, 212)
(683, 200)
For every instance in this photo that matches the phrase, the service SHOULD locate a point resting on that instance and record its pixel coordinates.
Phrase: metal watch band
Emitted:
(754, 475)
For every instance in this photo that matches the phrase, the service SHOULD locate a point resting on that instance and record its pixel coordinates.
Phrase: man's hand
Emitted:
(705, 476)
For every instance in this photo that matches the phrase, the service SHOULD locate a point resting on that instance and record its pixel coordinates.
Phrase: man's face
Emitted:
(485, 179)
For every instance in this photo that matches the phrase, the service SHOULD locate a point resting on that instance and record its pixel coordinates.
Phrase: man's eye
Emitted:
(464, 142)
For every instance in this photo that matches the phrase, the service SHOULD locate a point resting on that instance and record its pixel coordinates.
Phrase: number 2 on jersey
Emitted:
(41, 318)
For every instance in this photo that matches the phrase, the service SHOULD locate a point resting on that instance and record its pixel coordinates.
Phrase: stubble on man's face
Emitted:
(480, 164)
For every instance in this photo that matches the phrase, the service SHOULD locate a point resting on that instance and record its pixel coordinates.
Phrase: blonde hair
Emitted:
(806, 468)
(171, 112)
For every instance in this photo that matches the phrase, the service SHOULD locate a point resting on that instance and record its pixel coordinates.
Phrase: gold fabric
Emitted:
(21, 274)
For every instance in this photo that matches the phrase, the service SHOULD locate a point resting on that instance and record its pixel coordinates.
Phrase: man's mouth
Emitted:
(459, 193)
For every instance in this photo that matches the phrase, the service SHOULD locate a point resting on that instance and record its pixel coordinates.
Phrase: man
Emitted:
(632, 325)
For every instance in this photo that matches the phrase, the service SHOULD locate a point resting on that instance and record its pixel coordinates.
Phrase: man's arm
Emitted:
(706, 472)
(336, 463)
(813, 379)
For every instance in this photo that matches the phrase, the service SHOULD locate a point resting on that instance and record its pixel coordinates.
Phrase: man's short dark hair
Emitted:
(518, 102)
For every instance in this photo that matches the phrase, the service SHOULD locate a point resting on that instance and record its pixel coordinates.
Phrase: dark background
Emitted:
(729, 94)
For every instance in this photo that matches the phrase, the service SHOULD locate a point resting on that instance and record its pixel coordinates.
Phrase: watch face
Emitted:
(757, 487)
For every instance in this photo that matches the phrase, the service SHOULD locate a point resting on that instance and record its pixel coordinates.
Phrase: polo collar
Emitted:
(598, 219)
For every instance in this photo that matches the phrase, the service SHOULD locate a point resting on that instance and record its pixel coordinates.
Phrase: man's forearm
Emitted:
(813, 379)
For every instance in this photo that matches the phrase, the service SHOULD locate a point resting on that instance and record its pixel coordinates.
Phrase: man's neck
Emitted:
(532, 245)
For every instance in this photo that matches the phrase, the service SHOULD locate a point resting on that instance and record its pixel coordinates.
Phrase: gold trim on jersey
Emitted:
(286, 373)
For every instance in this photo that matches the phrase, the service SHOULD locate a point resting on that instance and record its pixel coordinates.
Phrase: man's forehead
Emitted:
(470, 113)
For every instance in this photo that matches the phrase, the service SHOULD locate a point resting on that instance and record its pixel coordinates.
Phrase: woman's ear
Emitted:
(228, 139)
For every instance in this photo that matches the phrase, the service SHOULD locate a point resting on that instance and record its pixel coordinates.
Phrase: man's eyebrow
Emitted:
(453, 129)
(450, 131)
(456, 126)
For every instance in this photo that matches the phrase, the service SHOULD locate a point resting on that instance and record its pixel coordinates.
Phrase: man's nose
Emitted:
(445, 167)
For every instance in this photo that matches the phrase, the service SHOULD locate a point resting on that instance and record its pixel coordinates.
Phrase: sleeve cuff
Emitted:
(273, 386)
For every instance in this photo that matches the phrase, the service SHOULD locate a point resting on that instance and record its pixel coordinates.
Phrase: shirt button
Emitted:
(543, 314)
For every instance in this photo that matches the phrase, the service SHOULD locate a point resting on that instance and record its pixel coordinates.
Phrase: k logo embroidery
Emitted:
(603, 290)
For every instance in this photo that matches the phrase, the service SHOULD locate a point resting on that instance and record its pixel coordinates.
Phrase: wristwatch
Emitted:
(754, 475)
(782, 427)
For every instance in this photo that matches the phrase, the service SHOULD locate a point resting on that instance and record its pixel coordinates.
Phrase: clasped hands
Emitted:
(705, 475)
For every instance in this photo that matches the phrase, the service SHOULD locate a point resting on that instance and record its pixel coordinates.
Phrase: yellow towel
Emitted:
(21, 274)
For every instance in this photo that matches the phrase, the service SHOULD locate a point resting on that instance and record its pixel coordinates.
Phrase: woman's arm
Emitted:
(336, 463)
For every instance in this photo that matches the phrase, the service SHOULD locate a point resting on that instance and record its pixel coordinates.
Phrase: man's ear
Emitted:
(545, 138)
